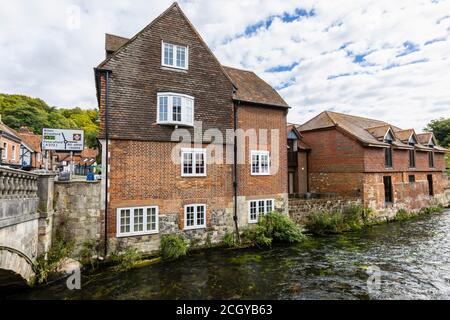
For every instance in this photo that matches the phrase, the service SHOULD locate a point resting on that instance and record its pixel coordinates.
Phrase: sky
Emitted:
(388, 60)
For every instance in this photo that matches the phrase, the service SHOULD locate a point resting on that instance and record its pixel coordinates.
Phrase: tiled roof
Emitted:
(368, 131)
(32, 140)
(113, 43)
(404, 135)
(9, 131)
(251, 88)
(424, 138)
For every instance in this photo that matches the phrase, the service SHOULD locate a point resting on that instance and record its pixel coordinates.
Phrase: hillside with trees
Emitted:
(20, 110)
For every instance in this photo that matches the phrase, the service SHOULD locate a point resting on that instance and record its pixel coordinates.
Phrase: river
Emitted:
(406, 260)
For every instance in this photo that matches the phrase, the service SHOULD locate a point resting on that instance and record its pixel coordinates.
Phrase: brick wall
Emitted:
(333, 151)
(142, 174)
(263, 118)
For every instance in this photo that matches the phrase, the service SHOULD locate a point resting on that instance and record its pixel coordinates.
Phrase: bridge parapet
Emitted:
(18, 196)
(26, 217)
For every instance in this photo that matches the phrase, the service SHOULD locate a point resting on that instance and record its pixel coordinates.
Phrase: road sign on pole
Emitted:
(62, 139)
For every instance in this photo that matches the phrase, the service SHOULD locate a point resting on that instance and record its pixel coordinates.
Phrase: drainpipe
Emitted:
(106, 165)
(107, 158)
(235, 174)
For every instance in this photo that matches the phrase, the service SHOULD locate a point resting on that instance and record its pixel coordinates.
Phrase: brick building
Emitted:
(158, 88)
(10, 144)
(31, 151)
(387, 167)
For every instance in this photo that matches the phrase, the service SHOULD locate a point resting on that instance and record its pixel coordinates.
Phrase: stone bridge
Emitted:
(26, 213)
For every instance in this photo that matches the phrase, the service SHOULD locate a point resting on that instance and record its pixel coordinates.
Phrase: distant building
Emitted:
(31, 152)
(10, 144)
(385, 166)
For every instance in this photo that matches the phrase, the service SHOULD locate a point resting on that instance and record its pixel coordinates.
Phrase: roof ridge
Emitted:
(239, 69)
(353, 116)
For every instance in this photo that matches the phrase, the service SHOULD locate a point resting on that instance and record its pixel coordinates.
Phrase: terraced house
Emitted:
(385, 166)
(163, 81)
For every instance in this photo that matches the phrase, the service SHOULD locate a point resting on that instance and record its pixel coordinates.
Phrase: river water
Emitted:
(404, 260)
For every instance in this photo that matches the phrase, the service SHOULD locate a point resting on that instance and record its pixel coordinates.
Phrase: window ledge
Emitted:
(136, 234)
(167, 68)
(194, 228)
(174, 124)
(260, 174)
(194, 175)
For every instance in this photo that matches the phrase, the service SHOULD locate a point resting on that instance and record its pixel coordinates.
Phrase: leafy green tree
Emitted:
(441, 129)
(20, 110)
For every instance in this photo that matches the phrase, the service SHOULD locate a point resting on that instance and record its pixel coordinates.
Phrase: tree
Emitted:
(19, 110)
(441, 130)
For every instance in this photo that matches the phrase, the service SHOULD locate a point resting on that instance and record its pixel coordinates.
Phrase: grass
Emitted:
(125, 260)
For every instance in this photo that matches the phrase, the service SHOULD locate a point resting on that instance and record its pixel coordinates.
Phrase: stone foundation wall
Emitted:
(300, 209)
(77, 204)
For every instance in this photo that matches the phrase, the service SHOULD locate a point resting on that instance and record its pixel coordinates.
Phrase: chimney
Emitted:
(113, 43)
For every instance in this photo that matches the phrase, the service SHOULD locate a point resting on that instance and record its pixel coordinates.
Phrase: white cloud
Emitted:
(347, 57)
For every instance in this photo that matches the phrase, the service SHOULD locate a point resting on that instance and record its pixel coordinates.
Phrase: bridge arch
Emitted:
(15, 264)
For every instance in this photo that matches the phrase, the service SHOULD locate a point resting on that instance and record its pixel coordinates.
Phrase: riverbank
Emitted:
(413, 257)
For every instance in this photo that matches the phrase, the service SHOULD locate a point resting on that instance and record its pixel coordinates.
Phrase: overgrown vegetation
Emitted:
(20, 110)
(402, 214)
(271, 228)
(62, 247)
(229, 240)
(91, 252)
(125, 259)
(173, 247)
(353, 217)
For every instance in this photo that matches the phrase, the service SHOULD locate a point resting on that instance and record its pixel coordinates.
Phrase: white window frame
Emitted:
(195, 226)
(145, 231)
(186, 118)
(250, 220)
(13, 153)
(174, 56)
(259, 153)
(194, 161)
(5, 151)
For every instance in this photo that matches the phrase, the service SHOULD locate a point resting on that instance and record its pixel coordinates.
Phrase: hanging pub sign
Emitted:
(62, 139)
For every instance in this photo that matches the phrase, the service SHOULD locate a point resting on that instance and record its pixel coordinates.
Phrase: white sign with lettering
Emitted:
(62, 139)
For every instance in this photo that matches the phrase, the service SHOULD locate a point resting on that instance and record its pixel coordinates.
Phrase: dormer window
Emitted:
(174, 56)
(175, 109)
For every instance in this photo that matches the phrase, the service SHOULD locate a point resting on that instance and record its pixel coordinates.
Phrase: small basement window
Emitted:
(259, 207)
(194, 216)
(412, 178)
(137, 221)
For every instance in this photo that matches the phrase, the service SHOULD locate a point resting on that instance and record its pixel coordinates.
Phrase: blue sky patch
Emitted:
(283, 68)
(409, 47)
(285, 17)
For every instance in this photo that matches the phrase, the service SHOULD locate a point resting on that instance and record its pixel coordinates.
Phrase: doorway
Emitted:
(430, 184)
(292, 183)
(387, 180)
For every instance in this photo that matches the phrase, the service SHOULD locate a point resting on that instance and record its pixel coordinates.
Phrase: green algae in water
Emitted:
(246, 258)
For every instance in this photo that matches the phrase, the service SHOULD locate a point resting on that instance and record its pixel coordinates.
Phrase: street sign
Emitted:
(62, 139)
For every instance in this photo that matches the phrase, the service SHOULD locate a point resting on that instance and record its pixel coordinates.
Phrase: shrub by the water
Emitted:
(229, 240)
(273, 227)
(126, 259)
(173, 247)
(353, 217)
